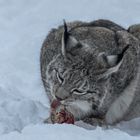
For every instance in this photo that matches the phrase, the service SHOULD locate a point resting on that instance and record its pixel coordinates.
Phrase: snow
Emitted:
(24, 25)
(39, 132)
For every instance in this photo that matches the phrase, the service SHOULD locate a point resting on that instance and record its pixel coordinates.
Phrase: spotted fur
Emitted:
(93, 69)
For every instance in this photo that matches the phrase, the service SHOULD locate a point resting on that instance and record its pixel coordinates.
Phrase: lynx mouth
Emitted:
(67, 102)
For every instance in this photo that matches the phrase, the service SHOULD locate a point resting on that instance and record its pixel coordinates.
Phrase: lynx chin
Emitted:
(93, 70)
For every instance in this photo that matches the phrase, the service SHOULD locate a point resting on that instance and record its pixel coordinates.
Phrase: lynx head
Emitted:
(80, 74)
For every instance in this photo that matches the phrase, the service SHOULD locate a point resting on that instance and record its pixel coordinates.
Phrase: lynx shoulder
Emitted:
(93, 69)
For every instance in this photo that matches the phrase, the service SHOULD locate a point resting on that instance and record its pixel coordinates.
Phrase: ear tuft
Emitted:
(68, 41)
(65, 33)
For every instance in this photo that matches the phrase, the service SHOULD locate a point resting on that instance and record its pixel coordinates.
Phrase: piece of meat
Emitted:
(55, 104)
(59, 114)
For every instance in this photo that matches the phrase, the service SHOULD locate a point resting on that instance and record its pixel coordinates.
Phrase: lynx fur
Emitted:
(93, 69)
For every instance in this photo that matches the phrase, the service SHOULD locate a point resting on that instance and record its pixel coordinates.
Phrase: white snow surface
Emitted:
(24, 25)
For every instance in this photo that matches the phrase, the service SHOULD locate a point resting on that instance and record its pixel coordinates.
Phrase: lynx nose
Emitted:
(61, 94)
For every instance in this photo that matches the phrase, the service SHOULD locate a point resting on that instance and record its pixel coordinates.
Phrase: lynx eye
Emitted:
(59, 77)
(78, 92)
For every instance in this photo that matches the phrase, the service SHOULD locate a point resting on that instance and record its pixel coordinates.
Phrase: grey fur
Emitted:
(88, 83)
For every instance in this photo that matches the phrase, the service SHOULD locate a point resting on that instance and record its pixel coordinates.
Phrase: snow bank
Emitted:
(66, 132)
(17, 112)
(23, 103)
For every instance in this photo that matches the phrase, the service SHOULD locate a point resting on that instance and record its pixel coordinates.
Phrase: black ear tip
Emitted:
(65, 25)
(64, 21)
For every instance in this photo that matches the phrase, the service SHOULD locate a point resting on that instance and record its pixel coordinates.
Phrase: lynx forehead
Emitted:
(89, 66)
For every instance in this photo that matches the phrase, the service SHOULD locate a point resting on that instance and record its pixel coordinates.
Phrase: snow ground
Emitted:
(23, 103)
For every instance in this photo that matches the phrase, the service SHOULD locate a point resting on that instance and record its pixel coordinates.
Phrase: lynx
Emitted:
(93, 69)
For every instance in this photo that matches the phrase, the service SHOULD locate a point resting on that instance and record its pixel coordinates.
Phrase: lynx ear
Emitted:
(111, 60)
(68, 41)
